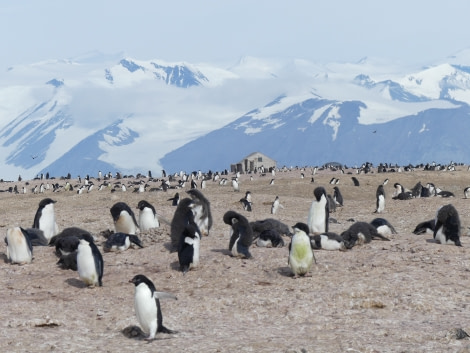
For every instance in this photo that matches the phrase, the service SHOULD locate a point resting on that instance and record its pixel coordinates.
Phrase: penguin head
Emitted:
(139, 279)
(45, 202)
(319, 192)
(301, 226)
(143, 204)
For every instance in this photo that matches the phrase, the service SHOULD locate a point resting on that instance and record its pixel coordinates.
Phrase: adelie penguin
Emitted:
(328, 241)
(270, 238)
(202, 216)
(188, 248)
(148, 218)
(301, 255)
(147, 306)
(447, 226)
(121, 242)
(360, 233)
(383, 226)
(89, 262)
(45, 218)
(124, 218)
(380, 199)
(241, 236)
(337, 197)
(19, 247)
(319, 212)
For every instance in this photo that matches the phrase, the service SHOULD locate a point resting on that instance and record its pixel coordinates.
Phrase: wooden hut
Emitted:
(254, 162)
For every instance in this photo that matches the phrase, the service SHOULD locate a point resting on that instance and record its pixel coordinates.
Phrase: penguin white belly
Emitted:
(329, 244)
(441, 237)
(18, 251)
(381, 204)
(146, 310)
(125, 224)
(47, 222)
(147, 220)
(316, 217)
(301, 255)
(86, 265)
(264, 243)
(195, 243)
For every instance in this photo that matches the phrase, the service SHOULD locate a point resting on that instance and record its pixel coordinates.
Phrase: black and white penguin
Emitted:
(246, 204)
(203, 214)
(360, 233)
(235, 185)
(276, 205)
(175, 199)
(124, 218)
(45, 218)
(270, 238)
(301, 255)
(447, 225)
(121, 242)
(425, 227)
(355, 181)
(466, 192)
(380, 199)
(337, 196)
(241, 236)
(148, 218)
(383, 226)
(147, 306)
(189, 248)
(328, 241)
(319, 212)
(19, 247)
(184, 215)
(270, 224)
(89, 262)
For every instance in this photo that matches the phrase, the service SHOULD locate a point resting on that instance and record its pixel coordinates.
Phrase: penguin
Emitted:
(66, 245)
(246, 204)
(360, 233)
(333, 180)
(447, 226)
(241, 235)
(337, 197)
(188, 248)
(380, 196)
(203, 219)
(271, 182)
(68, 262)
(301, 255)
(466, 192)
(19, 247)
(248, 196)
(270, 238)
(331, 204)
(124, 218)
(235, 185)
(319, 213)
(355, 181)
(328, 241)
(269, 224)
(121, 242)
(45, 218)
(383, 226)
(147, 306)
(275, 206)
(175, 199)
(425, 227)
(36, 237)
(444, 193)
(89, 262)
(184, 214)
(148, 218)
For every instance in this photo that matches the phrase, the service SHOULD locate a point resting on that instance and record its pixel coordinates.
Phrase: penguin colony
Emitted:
(192, 220)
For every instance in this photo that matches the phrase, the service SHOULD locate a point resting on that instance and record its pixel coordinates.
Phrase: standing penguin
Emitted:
(45, 218)
(89, 262)
(275, 206)
(319, 212)
(148, 218)
(147, 306)
(19, 247)
(301, 255)
(337, 196)
(241, 234)
(203, 219)
(380, 195)
(175, 199)
(124, 218)
(447, 225)
(188, 248)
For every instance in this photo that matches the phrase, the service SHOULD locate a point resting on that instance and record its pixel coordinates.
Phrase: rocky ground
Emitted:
(406, 295)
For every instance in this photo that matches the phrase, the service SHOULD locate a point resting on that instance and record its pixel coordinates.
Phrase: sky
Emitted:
(224, 31)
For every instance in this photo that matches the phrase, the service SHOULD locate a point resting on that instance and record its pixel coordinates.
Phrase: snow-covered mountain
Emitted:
(115, 113)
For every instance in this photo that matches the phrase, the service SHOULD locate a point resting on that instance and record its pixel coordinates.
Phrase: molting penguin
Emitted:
(189, 246)
(447, 228)
(147, 306)
(383, 226)
(148, 218)
(241, 234)
(425, 227)
(89, 262)
(328, 241)
(380, 196)
(124, 218)
(319, 213)
(203, 216)
(301, 255)
(19, 247)
(360, 233)
(270, 238)
(45, 218)
(121, 242)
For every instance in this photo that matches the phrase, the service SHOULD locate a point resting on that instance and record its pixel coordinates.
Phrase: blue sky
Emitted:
(223, 31)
